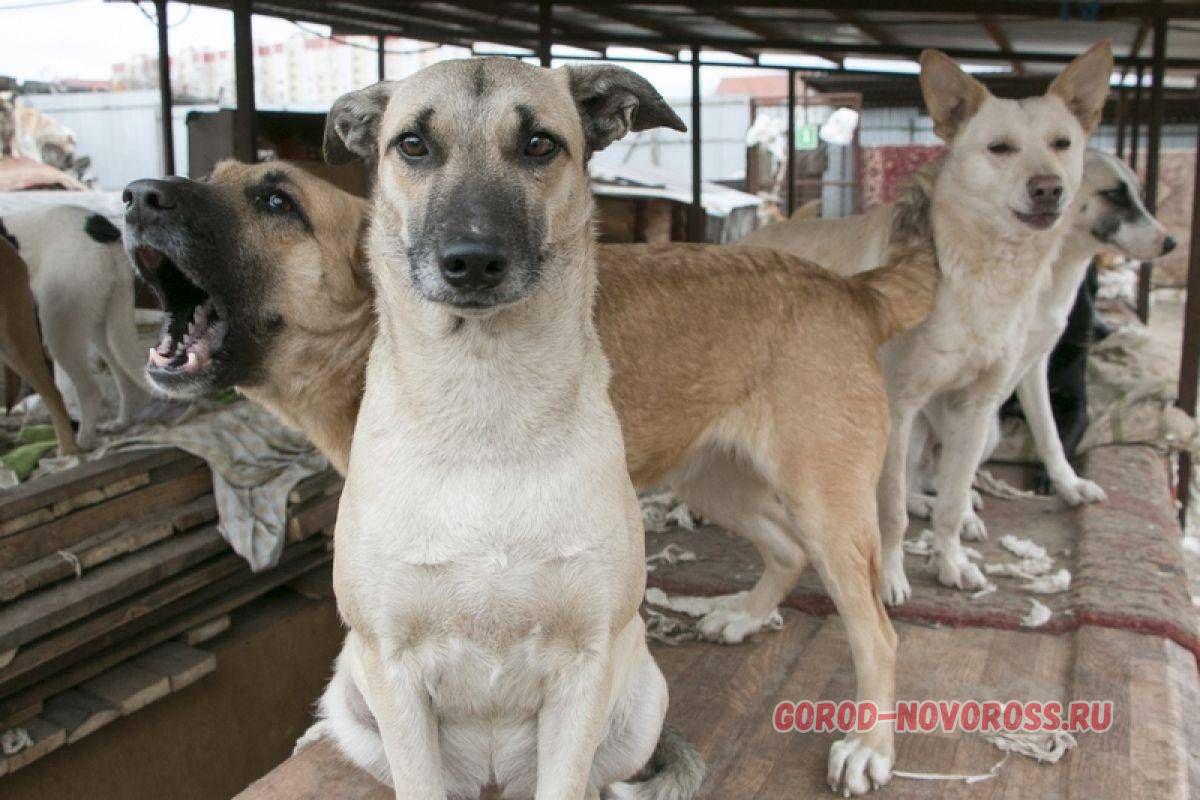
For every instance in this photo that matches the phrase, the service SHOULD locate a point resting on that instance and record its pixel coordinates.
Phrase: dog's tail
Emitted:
(677, 772)
(900, 294)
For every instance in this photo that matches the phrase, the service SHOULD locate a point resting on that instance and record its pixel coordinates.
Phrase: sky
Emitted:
(37, 43)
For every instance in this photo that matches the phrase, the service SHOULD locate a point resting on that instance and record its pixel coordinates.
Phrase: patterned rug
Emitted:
(1123, 556)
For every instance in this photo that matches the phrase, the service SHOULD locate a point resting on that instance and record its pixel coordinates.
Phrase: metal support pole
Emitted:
(164, 89)
(1121, 93)
(1189, 367)
(545, 33)
(697, 223)
(791, 143)
(381, 43)
(244, 146)
(1135, 122)
(1153, 146)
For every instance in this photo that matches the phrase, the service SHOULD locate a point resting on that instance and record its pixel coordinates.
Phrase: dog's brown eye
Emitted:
(1001, 148)
(540, 146)
(412, 146)
(1062, 143)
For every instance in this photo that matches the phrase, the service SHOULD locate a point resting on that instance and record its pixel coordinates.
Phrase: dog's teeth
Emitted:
(193, 361)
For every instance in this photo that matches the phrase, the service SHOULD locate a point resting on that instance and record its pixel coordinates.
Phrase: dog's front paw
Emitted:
(958, 572)
(856, 768)
(86, 440)
(733, 625)
(1079, 491)
(973, 529)
(895, 588)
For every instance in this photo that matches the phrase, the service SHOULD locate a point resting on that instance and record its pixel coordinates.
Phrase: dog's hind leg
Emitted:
(118, 345)
(66, 334)
(734, 496)
(41, 379)
(838, 525)
(920, 464)
(892, 501)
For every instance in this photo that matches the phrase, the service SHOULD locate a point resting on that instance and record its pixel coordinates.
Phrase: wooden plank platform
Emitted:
(722, 699)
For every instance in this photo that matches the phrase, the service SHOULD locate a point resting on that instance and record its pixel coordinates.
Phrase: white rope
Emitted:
(1046, 747)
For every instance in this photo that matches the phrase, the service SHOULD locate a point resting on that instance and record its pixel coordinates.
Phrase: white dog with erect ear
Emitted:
(1108, 214)
(490, 552)
(1000, 210)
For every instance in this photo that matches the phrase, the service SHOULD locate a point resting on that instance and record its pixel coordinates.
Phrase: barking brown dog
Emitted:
(21, 342)
(744, 377)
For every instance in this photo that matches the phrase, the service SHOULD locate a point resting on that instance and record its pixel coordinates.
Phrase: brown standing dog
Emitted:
(745, 378)
(21, 342)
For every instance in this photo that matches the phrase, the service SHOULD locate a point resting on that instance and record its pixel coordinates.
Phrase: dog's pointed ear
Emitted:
(1083, 85)
(951, 95)
(613, 101)
(352, 125)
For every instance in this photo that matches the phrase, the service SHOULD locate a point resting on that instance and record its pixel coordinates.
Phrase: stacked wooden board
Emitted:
(110, 574)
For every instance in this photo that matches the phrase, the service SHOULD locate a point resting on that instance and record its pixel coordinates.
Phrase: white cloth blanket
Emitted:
(255, 461)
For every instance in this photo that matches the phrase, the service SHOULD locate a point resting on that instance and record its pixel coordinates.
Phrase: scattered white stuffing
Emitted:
(1038, 615)
(1026, 568)
(985, 591)
(1050, 584)
(14, 740)
(670, 555)
(989, 484)
(921, 546)
(1191, 544)
(662, 511)
(1022, 548)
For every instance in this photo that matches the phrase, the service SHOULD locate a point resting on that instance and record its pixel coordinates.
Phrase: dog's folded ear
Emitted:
(1083, 85)
(951, 95)
(352, 125)
(613, 101)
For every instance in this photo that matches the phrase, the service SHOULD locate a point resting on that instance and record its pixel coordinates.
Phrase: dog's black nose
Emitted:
(1045, 189)
(1169, 244)
(473, 264)
(149, 196)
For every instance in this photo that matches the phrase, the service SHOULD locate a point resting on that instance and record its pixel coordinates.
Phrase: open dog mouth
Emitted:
(193, 326)
(1040, 220)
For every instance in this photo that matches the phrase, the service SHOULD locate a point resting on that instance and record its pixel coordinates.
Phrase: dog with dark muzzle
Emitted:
(260, 272)
(490, 558)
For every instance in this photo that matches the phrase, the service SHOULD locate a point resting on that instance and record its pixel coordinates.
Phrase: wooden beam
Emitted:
(869, 29)
(1153, 147)
(697, 219)
(734, 19)
(164, 89)
(997, 34)
(1129, 9)
(662, 27)
(545, 31)
(1189, 368)
(245, 147)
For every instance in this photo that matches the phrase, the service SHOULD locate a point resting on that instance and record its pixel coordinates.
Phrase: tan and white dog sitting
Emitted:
(490, 551)
(998, 208)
